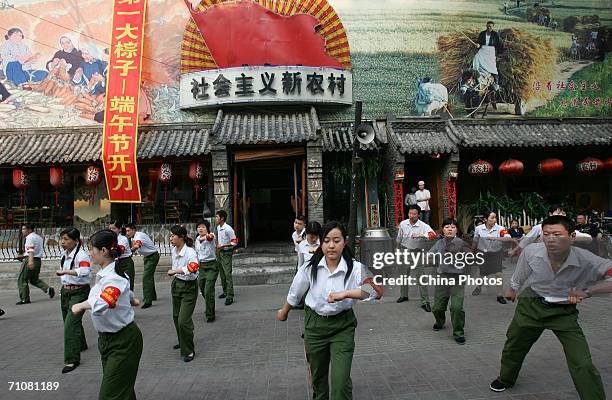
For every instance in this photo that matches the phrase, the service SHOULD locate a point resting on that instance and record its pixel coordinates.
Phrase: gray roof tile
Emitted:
(338, 136)
(420, 136)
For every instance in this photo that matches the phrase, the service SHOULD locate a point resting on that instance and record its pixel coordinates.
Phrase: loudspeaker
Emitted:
(365, 133)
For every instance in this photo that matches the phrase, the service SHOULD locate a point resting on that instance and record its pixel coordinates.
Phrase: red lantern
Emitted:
(511, 167)
(608, 164)
(550, 166)
(480, 168)
(590, 165)
(21, 181)
(196, 172)
(56, 177)
(93, 177)
(165, 173)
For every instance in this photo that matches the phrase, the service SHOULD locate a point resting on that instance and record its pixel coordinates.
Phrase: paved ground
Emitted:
(247, 354)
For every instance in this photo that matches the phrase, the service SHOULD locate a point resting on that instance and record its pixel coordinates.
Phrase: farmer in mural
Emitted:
(91, 72)
(62, 67)
(17, 60)
(489, 45)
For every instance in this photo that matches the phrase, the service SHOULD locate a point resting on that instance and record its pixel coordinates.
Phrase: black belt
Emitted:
(543, 301)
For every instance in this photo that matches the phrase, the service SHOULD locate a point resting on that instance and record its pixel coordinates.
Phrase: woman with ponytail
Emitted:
(124, 261)
(333, 281)
(75, 273)
(185, 268)
(110, 302)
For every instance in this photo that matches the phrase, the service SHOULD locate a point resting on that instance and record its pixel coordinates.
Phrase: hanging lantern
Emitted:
(608, 164)
(480, 168)
(196, 172)
(590, 165)
(165, 173)
(93, 177)
(550, 166)
(511, 167)
(56, 178)
(21, 181)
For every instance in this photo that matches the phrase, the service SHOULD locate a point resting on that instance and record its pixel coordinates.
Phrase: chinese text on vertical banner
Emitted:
(121, 112)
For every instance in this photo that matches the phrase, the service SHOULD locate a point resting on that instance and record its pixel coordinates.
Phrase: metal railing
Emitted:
(10, 245)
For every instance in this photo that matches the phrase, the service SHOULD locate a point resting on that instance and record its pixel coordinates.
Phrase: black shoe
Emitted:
(22, 302)
(498, 386)
(222, 296)
(189, 357)
(146, 305)
(477, 291)
(176, 346)
(1, 312)
(501, 300)
(229, 301)
(437, 327)
(51, 292)
(401, 299)
(426, 307)
(210, 319)
(70, 368)
(460, 340)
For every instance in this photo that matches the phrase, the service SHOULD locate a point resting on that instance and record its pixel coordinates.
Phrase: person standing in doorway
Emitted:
(31, 264)
(226, 241)
(422, 197)
(413, 235)
(124, 262)
(298, 235)
(141, 242)
(410, 199)
(204, 245)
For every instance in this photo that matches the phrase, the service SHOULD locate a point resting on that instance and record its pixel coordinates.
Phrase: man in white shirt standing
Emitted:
(422, 197)
(30, 268)
(226, 241)
(414, 235)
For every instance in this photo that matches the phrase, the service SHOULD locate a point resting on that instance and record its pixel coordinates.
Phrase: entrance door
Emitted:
(266, 198)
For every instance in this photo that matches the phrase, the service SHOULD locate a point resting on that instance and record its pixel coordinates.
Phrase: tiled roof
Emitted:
(533, 132)
(423, 136)
(84, 144)
(338, 136)
(250, 128)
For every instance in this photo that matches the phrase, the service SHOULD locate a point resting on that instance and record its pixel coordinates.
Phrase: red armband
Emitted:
(377, 288)
(110, 294)
(432, 235)
(84, 264)
(193, 267)
(503, 233)
(210, 237)
(234, 241)
(609, 273)
(138, 243)
(121, 249)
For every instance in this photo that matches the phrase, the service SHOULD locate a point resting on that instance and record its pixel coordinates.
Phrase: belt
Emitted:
(74, 287)
(340, 314)
(549, 304)
(115, 333)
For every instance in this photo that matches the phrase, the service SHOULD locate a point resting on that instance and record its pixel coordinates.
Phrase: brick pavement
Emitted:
(247, 354)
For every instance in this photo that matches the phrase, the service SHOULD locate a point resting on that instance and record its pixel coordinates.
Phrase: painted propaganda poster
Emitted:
(486, 58)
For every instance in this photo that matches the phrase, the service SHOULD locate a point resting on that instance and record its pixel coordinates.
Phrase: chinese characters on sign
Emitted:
(579, 87)
(121, 116)
(266, 84)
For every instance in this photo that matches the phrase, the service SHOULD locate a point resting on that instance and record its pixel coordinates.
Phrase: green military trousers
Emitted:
(148, 278)
(455, 294)
(531, 318)
(206, 281)
(120, 353)
(127, 265)
(224, 259)
(74, 335)
(30, 276)
(184, 299)
(423, 289)
(330, 340)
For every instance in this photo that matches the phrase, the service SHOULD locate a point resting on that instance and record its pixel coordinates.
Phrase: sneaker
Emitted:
(229, 301)
(460, 340)
(222, 296)
(501, 300)
(402, 299)
(437, 327)
(1, 312)
(70, 367)
(498, 386)
(477, 291)
(51, 292)
(426, 307)
(22, 302)
(189, 357)
(176, 346)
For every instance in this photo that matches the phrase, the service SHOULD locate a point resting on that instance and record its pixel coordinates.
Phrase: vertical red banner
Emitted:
(120, 135)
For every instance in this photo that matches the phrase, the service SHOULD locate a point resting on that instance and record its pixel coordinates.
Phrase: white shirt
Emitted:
(410, 199)
(488, 40)
(481, 233)
(420, 195)
(123, 241)
(33, 244)
(306, 250)
(146, 244)
(325, 284)
(406, 232)
(187, 261)
(82, 266)
(225, 235)
(297, 239)
(205, 248)
(111, 309)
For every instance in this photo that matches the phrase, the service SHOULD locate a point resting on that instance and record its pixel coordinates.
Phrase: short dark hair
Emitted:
(131, 225)
(559, 220)
(584, 214)
(490, 22)
(414, 207)
(555, 207)
(449, 221)
(301, 218)
(28, 225)
(313, 228)
(488, 213)
(222, 214)
(204, 222)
